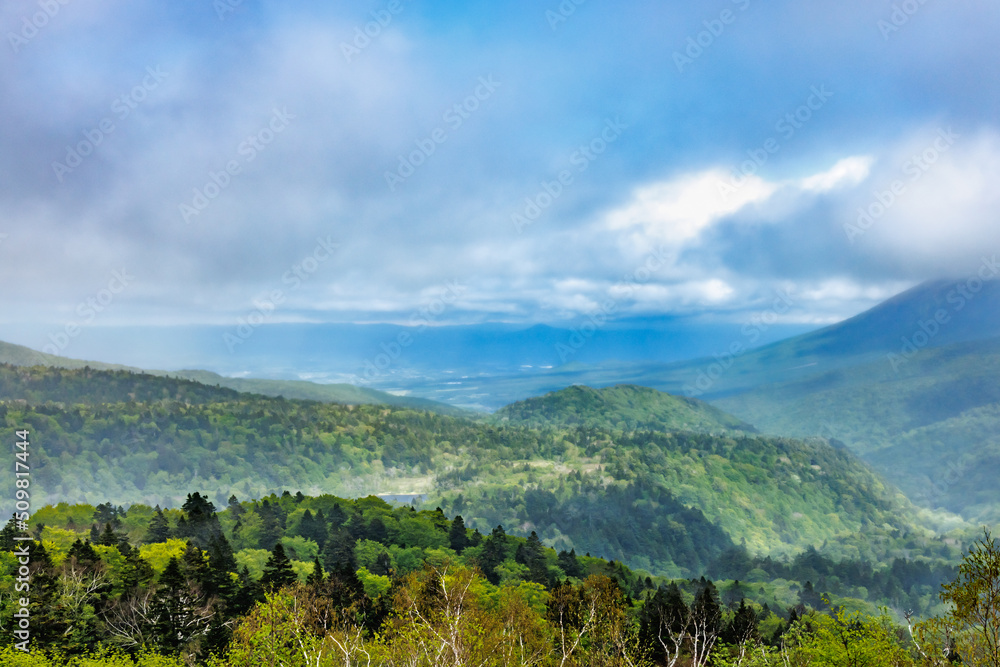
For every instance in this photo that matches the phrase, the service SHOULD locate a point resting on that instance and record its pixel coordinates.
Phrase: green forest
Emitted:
(297, 580)
(192, 524)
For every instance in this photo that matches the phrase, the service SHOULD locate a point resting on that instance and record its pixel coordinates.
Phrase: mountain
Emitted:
(18, 355)
(931, 426)
(909, 385)
(622, 407)
(667, 502)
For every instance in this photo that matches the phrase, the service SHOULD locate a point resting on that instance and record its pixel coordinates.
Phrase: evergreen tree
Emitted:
(83, 553)
(458, 538)
(570, 564)
(221, 562)
(278, 570)
(742, 628)
(339, 551)
(494, 553)
(317, 576)
(234, 507)
(108, 538)
(136, 573)
(248, 593)
(532, 555)
(159, 528)
(48, 621)
(174, 611)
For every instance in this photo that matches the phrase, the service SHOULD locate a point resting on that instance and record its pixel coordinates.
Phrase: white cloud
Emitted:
(945, 211)
(679, 209)
(847, 172)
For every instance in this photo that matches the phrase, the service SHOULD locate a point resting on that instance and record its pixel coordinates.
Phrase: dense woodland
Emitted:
(294, 580)
(562, 540)
(139, 439)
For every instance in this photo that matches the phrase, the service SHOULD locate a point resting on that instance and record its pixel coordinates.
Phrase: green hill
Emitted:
(18, 355)
(622, 407)
(668, 502)
(932, 426)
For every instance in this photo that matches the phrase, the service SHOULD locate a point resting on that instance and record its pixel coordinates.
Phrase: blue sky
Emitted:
(549, 158)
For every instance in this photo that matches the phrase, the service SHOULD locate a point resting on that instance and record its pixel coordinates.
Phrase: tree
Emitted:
(664, 624)
(278, 570)
(705, 623)
(975, 597)
(159, 528)
(316, 577)
(180, 614)
(570, 564)
(846, 639)
(532, 555)
(458, 538)
(494, 553)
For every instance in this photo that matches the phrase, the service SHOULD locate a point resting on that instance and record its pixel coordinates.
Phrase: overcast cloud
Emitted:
(536, 155)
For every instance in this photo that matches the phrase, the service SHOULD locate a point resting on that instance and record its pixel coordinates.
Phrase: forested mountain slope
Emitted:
(670, 502)
(623, 407)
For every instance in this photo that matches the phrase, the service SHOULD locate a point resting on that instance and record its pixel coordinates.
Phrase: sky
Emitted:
(193, 163)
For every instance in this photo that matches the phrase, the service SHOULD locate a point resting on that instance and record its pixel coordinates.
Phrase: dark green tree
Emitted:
(159, 528)
(458, 537)
(494, 553)
(278, 570)
(316, 577)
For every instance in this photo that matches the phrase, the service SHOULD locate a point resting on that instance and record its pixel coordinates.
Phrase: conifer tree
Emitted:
(159, 528)
(457, 536)
(278, 570)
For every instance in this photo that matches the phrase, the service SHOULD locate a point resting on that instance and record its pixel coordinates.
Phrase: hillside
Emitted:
(622, 407)
(215, 563)
(687, 497)
(18, 355)
(931, 427)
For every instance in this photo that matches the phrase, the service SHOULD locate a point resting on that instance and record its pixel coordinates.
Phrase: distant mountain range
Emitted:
(18, 355)
(909, 385)
(665, 483)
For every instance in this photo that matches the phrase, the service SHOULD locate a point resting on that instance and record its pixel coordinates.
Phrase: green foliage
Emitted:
(622, 408)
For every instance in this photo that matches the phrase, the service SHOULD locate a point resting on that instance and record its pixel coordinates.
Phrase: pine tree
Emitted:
(339, 551)
(159, 528)
(532, 555)
(221, 562)
(317, 576)
(248, 593)
(234, 507)
(108, 538)
(278, 570)
(494, 553)
(458, 538)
